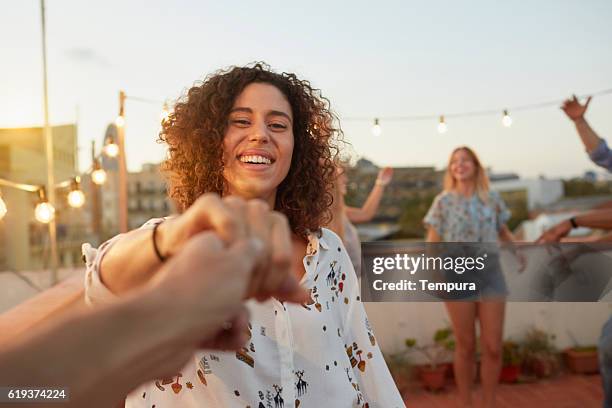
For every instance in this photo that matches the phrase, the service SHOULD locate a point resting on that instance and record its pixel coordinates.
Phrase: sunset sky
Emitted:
(371, 59)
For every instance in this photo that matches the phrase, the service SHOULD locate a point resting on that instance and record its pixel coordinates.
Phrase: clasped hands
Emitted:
(221, 252)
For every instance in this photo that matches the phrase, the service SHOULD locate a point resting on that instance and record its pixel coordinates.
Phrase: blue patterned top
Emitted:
(457, 218)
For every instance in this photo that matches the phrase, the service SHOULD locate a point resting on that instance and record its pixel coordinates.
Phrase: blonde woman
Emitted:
(467, 211)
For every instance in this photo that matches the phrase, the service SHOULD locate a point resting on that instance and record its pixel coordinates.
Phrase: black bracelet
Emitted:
(573, 222)
(155, 247)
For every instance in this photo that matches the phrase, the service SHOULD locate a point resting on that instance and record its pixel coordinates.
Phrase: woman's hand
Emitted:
(207, 213)
(234, 219)
(385, 176)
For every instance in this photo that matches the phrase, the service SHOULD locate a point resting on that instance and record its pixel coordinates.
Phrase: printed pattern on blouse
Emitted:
(319, 354)
(457, 218)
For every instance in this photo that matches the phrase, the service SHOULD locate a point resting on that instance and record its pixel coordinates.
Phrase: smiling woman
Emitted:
(268, 138)
(214, 114)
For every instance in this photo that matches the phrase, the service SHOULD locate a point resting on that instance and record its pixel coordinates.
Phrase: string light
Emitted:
(98, 176)
(3, 209)
(376, 129)
(111, 149)
(442, 127)
(506, 120)
(120, 121)
(44, 211)
(76, 198)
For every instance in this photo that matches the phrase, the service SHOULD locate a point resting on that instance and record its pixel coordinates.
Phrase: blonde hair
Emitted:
(480, 174)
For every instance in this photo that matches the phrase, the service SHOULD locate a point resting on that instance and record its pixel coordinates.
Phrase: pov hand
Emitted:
(205, 284)
(233, 219)
(384, 176)
(574, 109)
(555, 233)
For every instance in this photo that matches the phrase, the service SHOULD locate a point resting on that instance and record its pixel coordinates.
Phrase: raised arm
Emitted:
(575, 112)
(366, 212)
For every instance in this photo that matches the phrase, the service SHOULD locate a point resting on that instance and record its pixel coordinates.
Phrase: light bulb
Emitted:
(44, 212)
(76, 198)
(506, 120)
(442, 127)
(376, 129)
(120, 121)
(111, 149)
(98, 176)
(3, 209)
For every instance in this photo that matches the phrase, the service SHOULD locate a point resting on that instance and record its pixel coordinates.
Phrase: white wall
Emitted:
(394, 322)
(540, 192)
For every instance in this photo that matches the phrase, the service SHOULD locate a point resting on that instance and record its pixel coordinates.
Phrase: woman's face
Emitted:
(258, 142)
(462, 166)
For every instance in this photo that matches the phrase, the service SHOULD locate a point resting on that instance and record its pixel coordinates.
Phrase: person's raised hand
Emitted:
(574, 109)
(384, 176)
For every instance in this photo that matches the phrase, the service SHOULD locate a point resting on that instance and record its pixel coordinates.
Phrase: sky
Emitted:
(371, 59)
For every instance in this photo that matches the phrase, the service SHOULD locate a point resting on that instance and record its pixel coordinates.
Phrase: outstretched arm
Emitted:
(600, 219)
(366, 212)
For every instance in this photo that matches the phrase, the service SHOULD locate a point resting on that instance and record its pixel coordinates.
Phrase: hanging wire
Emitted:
(484, 112)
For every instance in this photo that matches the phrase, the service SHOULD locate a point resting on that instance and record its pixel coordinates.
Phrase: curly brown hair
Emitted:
(194, 134)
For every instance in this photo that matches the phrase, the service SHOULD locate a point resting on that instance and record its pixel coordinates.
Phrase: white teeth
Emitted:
(255, 159)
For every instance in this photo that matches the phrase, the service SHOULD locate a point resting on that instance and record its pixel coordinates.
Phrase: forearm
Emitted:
(369, 208)
(432, 235)
(98, 356)
(589, 138)
(603, 238)
(601, 219)
(130, 262)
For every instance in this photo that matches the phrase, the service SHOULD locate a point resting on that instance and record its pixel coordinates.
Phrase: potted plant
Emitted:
(433, 375)
(511, 367)
(582, 359)
(540, 356)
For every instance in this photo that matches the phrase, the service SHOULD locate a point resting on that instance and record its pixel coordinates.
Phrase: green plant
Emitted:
(511, 353)
(540, 356)
(537, 343)
(437, 351)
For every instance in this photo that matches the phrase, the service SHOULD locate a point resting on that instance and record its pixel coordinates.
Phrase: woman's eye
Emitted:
(241, 122)
(278, 126)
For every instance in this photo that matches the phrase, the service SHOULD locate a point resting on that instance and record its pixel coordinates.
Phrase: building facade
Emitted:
(147, 196)
(24, 242)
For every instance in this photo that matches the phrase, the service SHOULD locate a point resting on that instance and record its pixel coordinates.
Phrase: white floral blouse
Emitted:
(323, 354)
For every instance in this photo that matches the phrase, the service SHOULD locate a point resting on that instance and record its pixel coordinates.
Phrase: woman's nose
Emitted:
(259, 133)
